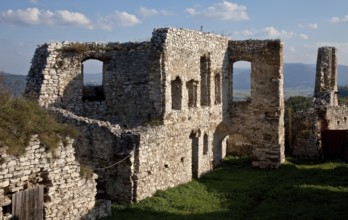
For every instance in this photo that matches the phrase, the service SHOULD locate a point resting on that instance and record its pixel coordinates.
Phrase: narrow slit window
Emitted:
(192, 93)
(217, 81)
(176, 89)
(205, 144)
(205, 80)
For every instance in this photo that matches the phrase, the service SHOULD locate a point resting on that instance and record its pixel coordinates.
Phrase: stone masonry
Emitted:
(67, 194)
(164, 111)
(321, 131)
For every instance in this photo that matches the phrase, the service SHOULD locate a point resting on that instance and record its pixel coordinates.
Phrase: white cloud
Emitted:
(290, 48)
(34, 16)
(268, 32)
(149, 12)
(118, 18)
(191, 11)
(34, 1)
(336, 20)
(274, 33)
(224, 10)
(303, 36)
(246, 33)
(312, 26)
(74, 18)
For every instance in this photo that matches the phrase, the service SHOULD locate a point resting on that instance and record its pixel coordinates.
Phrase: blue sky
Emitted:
(303, 25)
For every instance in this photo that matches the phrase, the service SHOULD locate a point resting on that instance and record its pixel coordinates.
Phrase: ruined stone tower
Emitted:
(321, 131)
(326, 76)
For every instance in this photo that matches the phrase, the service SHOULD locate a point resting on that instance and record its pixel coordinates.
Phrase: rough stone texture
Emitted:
(336, 117)
(310, 127)
(238, 145)
(261, 118)
(67, 195)
(55, 79)
(167, 109)
(326, 76)
(306, 135)
(103, 145)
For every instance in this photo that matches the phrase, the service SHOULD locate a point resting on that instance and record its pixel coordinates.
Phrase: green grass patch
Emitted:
(238, 191)
(21, 118)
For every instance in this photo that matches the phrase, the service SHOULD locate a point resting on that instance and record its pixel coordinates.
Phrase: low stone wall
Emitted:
(109, 150)
(67, 194)
(239, 145)
(306, 135)
(174, 154)
(337, 117)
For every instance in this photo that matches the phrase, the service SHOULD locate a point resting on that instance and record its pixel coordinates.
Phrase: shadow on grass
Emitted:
(238, 191)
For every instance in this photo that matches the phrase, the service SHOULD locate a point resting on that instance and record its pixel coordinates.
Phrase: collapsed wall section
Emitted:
(67, 193)
(261, 119)
(321, 131)
(306, 135)
(109, 151)
(56, 79)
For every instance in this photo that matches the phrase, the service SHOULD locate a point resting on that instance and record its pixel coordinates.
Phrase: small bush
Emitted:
(86, 172)
(21, 118)
(75, 48)
(298, 103)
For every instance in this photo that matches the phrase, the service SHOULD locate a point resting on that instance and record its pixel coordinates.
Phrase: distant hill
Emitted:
(299, 79)
(14, 83)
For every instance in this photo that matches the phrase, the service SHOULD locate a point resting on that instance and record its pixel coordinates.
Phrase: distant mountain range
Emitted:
(14, 83)
(296, 75)
(299, 79)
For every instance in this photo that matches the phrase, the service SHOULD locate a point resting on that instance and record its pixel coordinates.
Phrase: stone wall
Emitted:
(336, 117)
(178, 153)
(108, 150)
(166, 110)
(306, 138)
(326, 75)
(318, 130)
(261, 119)
(56, 79)
(67, 194)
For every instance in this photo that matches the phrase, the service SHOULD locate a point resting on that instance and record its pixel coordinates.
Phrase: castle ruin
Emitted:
(320, 132)
(165, 109)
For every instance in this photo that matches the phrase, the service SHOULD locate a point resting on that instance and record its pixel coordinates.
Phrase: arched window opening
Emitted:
(192, 93)
(217, 82)
(205, 80)
(241, 81)
(176, 89)
(205, 144)
(93, 85)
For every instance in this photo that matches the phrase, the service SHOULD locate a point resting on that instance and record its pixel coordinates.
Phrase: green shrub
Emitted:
(21, 118)
(86, 172)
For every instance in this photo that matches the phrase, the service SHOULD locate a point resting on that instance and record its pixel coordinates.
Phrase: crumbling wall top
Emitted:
(326, 75)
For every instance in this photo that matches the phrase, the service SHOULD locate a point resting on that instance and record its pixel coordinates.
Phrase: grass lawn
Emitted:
(238, 191)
